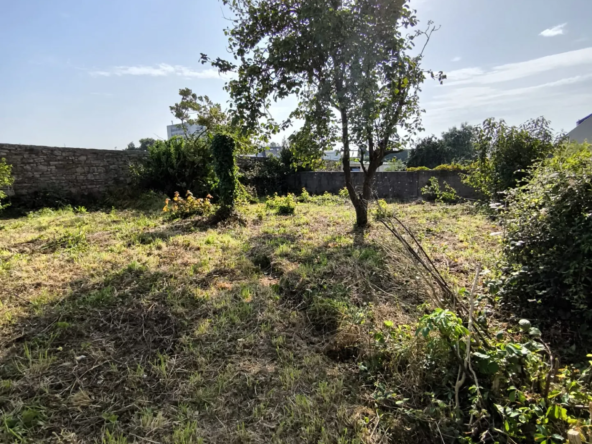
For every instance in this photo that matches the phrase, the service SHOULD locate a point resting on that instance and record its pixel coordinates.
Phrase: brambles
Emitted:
(190, 206)
(548, 246)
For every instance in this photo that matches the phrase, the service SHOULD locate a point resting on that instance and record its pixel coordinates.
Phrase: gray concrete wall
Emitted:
(395, 185)
(71, 170)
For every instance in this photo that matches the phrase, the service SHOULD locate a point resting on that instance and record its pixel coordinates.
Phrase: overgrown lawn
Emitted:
(122, 326)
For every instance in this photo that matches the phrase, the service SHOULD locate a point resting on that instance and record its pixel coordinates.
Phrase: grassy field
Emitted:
(123, 327)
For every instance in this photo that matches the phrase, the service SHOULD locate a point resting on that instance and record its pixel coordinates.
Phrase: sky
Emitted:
(103, 73)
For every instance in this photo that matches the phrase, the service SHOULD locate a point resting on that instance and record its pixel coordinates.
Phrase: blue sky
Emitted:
(102, 73)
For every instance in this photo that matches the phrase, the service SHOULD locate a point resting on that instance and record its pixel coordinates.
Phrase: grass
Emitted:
(121, 327)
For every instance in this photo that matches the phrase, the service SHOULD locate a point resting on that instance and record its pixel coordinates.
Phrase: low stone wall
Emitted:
(71, 170)
(400, 185)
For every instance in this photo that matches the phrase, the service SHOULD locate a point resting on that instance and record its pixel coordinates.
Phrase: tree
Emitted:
(459, 143)
(210, 118)
(131, 146)
(506, 153)
(454, 146)
(146, 143)
(429, 152)
(347, 61)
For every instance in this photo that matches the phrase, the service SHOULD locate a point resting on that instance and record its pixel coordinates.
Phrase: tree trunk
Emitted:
(359, 204)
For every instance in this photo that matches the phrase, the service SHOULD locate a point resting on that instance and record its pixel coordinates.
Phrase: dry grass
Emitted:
(120, 327)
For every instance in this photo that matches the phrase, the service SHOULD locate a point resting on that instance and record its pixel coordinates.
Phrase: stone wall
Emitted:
(70, 170)
(401, 185)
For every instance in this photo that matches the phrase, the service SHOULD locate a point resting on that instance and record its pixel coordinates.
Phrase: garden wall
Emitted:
(401, 185)
(71, 170)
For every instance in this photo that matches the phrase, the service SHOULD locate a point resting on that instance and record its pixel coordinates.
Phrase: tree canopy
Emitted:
(349, 62)
(454, 146)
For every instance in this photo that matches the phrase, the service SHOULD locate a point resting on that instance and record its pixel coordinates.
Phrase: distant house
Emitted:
(583, 131)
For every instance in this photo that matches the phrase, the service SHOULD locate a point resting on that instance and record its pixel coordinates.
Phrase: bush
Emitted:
(223, 148)
(326, 198)
(548, 247)
(177, 164)
(282, 204)
(420, 168)
(395, 165)
(506, 391)
(190, 206)
(505, 154)
(451, 167)
(6, 180)
(432, 191)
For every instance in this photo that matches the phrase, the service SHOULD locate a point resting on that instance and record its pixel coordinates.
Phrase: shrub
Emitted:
(223, 147)
(382, 210)
(451, 167)
(177, 164)
(432, 191)
(505, 153)
(395, 165)
(506, 380)
(6, 180)
(419, 168)
(282, 204)
(548, 247)
(190, 206)
(326, 198)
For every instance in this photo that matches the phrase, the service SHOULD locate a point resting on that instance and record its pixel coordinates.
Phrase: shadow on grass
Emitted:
(77, 364)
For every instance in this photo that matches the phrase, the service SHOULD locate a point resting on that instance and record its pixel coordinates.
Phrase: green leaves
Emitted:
(6, 179)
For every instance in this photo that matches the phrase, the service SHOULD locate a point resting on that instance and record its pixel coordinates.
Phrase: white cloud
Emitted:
(471, 97)
(457, 59)
(160, 70)
(554, 31)
(514, 71)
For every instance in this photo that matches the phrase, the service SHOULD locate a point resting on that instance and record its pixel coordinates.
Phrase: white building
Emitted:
(334, 155)
(177, 130)
(583, 131)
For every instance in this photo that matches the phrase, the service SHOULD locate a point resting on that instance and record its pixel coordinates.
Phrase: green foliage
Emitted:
(451, 167)
(190, 206)
(269, 176)
(455, 145)
(223, 147)
(395, 165)
(428, 153)
(325, 198)
(382, 210)
(420, 168)
(144, 144)
(508, 395)
(432, 191)
(6, 180)
(177, 164)
(505, 154)
(282, 204)
(548, 246)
